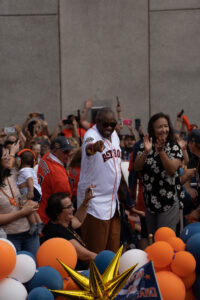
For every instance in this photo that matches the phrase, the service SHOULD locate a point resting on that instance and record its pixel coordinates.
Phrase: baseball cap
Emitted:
(194, 136)
(61, 143)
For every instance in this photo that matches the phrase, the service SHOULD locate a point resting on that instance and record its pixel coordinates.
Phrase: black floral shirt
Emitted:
(160, 189)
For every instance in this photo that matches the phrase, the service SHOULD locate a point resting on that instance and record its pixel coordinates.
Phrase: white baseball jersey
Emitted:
(102, 170)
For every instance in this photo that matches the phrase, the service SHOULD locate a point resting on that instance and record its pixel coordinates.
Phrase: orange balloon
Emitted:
(167, 268)
(55, 248)
(163, 234)
(176, 243)
(190, 295)
(189, 280)
(171, 286)
(183, 264)
(7, 259)
(161, 253)
(68, 285)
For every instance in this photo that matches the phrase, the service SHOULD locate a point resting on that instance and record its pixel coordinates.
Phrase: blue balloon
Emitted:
(193, 246)
(40, 293)
(86, 273)
(27, 253)
(196, 287)
(47, 277)
(103, 259)
(189, 230)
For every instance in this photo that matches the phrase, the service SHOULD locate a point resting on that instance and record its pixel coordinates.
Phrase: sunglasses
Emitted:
(109, 124)
(68, 207)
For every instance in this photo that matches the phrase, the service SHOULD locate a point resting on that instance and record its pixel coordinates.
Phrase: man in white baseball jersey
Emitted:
(101, 159)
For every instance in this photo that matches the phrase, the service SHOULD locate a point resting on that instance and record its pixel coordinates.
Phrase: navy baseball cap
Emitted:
(194, 136)
(61, 143)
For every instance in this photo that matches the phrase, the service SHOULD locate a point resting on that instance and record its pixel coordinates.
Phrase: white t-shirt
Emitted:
(26, 173)
(102, 170)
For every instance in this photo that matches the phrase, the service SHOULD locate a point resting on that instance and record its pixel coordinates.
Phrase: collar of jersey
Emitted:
(54, 158)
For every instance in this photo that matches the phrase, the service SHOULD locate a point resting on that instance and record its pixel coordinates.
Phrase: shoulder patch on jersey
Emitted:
(89, 139)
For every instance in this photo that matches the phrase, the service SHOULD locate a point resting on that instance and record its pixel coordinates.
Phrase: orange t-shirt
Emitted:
(53, 178)
(68, 132)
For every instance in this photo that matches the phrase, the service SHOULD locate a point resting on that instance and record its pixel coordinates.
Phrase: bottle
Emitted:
(150, 238)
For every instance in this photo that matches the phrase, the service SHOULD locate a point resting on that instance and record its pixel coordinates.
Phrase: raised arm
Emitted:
(83, 120)
(57, 130)
(93, 148)
(81, 212)
(141, 158)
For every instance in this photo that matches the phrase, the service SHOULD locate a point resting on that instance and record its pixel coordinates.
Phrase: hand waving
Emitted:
(147, 143)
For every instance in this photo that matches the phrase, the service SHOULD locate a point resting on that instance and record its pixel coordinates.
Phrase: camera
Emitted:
(68, 120)
(181, 113)
(137, 123)
(37, 115)
(9, 130)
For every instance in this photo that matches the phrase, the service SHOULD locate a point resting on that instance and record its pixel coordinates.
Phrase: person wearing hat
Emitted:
(129, 142)
(193, 186)
(52, 174)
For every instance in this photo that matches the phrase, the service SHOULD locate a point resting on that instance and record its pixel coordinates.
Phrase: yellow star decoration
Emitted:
(97, 287)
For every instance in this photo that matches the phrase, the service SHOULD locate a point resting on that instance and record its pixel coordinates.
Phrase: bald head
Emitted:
(106, 122)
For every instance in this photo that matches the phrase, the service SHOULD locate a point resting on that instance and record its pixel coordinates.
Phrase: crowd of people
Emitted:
(71, 183)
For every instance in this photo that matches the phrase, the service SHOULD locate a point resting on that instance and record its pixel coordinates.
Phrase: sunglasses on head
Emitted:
(109, 124)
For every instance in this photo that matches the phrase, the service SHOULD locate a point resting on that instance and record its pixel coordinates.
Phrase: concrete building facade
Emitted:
(55, 54)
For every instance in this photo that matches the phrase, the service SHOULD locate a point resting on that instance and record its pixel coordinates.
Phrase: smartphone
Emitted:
(8, 130)
(181, 113)
(41, 116)
(127, 122)
(137, 123)
(33, 115)
(67, 122)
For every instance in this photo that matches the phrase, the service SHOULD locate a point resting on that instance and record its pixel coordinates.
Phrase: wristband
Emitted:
(90, 149)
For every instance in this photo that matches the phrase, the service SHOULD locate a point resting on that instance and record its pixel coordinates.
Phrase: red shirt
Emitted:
(53, 178)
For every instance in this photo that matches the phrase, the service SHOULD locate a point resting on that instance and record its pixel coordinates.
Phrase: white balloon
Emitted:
(9, 242)
(11, 289)
(24, 269)
(132, 257)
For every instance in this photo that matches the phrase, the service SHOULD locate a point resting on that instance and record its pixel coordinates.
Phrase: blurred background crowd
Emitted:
(34, 134)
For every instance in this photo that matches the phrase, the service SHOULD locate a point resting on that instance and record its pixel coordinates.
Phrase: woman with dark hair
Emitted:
(63, 224)
(13, 216)
(159, 159)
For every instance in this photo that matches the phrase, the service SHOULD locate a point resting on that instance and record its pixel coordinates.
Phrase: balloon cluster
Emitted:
(22, 276)
(176, 261)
